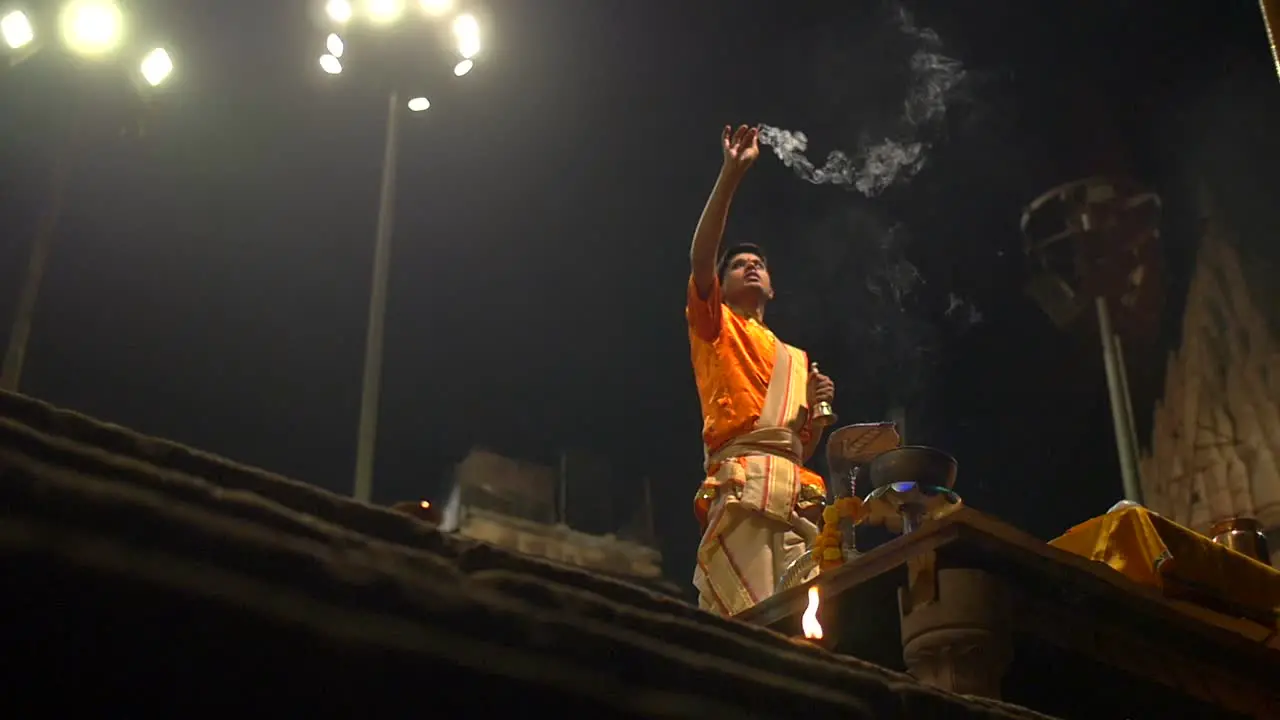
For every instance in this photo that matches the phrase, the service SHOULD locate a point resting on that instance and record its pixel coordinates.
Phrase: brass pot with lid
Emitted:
(1244, 535)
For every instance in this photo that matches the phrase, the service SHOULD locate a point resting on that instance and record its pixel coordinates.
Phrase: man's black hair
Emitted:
(736, 250)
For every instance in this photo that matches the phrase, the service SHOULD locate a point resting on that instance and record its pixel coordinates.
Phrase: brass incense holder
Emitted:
(912, 484)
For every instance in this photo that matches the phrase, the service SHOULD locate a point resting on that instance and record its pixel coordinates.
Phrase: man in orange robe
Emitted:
(757, 501)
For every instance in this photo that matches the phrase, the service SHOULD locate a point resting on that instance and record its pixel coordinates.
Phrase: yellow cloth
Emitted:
(1154, 551)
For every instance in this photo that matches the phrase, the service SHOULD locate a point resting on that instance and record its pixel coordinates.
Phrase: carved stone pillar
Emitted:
(955, 629)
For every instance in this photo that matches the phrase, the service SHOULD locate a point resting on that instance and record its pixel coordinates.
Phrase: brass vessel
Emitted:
(1244, 535)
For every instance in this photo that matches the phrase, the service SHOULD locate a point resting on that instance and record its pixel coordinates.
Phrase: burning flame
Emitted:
(809, 621)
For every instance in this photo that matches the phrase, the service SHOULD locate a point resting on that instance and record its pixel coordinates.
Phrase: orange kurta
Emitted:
(733, 358)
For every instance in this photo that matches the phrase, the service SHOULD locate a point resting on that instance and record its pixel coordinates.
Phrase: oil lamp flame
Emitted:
(809, 621)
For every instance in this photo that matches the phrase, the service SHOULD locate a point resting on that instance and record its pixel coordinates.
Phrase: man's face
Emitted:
(747, 277)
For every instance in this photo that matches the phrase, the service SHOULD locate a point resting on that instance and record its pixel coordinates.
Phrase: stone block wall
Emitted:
(1216, 432)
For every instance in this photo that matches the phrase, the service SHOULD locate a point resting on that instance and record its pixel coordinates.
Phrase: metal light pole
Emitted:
(96, 32)
(1106, 226)
(15, 354)
(466, 30)
(367, 436)
(1121, 404)
(1271, 21)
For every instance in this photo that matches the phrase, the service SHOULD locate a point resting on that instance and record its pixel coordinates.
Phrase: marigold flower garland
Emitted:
(826, 548)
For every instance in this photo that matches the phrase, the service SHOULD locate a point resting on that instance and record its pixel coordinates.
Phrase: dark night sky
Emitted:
(210, 278)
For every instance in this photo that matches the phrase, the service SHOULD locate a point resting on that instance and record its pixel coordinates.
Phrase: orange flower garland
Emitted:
(826, 548)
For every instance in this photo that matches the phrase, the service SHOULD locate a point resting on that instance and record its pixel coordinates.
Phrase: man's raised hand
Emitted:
(740, 148)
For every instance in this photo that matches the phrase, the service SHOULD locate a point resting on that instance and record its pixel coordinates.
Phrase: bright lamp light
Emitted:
(338, 11)
(436, 8)
(384, 12)
(463, 67)
(91, 27)
(16, 30)
(330, 64)
(466, 30)
(156, 67)
(333, 44)
(419, 104)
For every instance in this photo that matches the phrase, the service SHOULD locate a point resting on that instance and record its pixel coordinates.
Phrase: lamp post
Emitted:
(1271, 22)
(380, 16)
(1106, 231)
(371, 386)
(93, 30)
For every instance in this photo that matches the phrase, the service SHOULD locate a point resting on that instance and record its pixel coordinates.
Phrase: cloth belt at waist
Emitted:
(765, 464)
(777, 441)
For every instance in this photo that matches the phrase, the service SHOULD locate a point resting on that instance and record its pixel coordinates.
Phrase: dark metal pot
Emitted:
(914, 463)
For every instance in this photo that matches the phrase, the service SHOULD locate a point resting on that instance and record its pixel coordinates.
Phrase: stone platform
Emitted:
(973, 605)
(141, 575)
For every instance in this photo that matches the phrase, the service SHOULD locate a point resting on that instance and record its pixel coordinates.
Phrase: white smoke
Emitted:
(962, 311)
(876, 166)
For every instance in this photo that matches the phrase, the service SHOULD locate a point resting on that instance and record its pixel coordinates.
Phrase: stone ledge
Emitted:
(41, 430)
(156, 556)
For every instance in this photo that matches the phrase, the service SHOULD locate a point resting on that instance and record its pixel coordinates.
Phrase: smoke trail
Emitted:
(962, 312)
(877, 165)
(867, 306)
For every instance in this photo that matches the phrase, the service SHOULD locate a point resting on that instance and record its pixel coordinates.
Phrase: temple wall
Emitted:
(1216, 432)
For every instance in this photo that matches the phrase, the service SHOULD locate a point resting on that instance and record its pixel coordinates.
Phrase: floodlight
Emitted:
(330, 64)
(91, 27)
(16, 30)
(419, 104)
(466, 30)
(157, 66)
(384, 12)
(436, 8)
(338, 11)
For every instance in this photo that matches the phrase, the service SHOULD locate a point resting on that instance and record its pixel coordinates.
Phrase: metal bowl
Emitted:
(800, 571)
(914, 464)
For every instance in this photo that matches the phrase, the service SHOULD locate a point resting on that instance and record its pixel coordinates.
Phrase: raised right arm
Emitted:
(740, 151)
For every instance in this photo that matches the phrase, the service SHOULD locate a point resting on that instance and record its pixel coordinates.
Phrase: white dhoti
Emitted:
(743, 553)
(753, 530)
